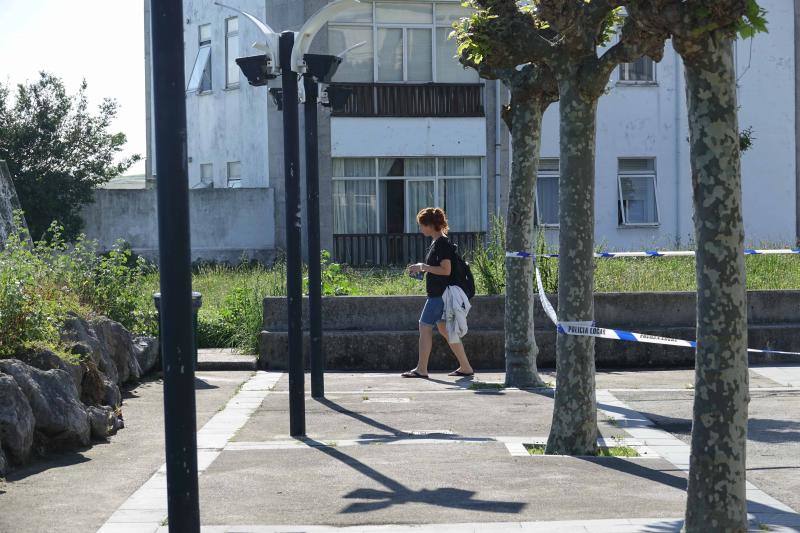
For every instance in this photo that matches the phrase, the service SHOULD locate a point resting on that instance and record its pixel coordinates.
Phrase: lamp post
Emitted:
(177, 338)
(288, 52)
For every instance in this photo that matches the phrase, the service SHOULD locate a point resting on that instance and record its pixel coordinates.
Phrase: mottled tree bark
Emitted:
(520, 345)
(716, 498)
(574, 427)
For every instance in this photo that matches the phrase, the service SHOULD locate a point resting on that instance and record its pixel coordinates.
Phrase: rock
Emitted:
(147, 351)
(58, 413)
(119, 345)
(16, 420)
(76, 329)
(112, 396)
(103, 421)
(44, 359)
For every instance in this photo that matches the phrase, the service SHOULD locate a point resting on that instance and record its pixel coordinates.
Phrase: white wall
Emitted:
(407, 137)
(226, 124)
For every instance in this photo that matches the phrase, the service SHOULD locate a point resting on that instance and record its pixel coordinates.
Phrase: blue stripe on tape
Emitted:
(654, 253)
(752, 252)
(625, 335)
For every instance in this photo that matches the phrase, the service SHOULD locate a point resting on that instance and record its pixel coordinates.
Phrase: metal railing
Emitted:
(393, 249)
(413, 100)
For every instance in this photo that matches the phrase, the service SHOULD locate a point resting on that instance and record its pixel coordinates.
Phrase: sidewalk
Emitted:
(387, 451)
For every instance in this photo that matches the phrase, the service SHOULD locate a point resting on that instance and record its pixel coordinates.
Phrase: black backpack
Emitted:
(462, 274)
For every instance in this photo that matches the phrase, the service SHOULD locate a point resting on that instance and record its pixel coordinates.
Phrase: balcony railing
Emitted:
(393, 249)
(413, 100)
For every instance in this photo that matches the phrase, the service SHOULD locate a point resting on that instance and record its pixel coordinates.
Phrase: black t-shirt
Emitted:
(440, 250)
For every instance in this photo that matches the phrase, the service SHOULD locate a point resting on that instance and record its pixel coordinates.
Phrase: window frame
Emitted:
(621, 210)
(405, 26)
(235, 183)
(547, 174)
(645, 83)
(210, 166)
(228, 34)
(435, 177)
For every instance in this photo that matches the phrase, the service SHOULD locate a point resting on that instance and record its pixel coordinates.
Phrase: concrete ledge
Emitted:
(397, 350)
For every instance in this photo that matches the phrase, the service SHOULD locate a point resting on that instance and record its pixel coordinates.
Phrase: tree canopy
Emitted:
(58, 150)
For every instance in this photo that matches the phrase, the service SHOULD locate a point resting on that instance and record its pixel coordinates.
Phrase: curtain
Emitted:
(461, 199)
(547, 192)
(354, 205)
(448, 68)
(353, 167)
(390, 167)
(357, 65)
(639, 199)
(420, 52)
(460, 166)
(419, 195)
(390, 54)
(422, 167)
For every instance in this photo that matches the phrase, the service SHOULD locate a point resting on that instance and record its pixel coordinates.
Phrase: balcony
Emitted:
(413, 100)
(393, 249)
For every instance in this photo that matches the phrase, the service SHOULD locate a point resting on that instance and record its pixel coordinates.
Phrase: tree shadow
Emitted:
(398, 494)
(200, 384)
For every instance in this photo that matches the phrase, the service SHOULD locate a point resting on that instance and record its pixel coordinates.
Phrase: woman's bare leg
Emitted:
(425, 345)
(458, 351)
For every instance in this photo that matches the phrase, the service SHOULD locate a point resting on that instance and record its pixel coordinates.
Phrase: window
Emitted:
(385, 194)
(207, 175)
(405, 42)
(200, 79)
(231, 52)
(547, 192)
(638, 204)
(643, 70)
(234, 174)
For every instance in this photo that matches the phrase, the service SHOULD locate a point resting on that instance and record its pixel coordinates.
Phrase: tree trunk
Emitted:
(574, 427)
(716, 498)
(520, 344)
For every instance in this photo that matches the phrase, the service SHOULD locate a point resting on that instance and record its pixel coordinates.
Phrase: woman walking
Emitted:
(437, 268)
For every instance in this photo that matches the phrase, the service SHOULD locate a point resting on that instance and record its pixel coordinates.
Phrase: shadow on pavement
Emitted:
(399, 494)
(47, 463)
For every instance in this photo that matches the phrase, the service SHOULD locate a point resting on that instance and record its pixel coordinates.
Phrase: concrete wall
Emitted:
(360, 334)
(225, 223)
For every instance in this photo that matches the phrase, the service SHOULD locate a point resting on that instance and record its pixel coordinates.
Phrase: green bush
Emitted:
(489, 261)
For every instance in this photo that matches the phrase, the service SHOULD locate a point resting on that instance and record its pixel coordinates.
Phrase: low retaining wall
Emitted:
(380, 333)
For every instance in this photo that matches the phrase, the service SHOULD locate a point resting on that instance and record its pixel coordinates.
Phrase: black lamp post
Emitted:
(177, 338)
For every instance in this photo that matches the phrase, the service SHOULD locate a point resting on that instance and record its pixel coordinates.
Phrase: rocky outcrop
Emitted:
(59, 414)
(16, 421)
(53, 403)
(147, 351)
(103, 421)
(117, 342)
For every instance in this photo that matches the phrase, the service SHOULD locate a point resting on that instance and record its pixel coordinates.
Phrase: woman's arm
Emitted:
(443, 269)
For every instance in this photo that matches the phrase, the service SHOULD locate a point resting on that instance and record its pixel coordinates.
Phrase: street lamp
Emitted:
(288, 52)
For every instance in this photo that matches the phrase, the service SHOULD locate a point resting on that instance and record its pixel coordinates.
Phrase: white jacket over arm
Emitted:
(456, 308)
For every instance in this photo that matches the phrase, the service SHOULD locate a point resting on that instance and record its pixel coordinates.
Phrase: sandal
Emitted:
(461, 374)
(413, 374)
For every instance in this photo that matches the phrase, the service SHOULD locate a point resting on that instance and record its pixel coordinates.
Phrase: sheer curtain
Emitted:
(639, 199)
(462, 203)
(419, 195)
(448, 68)
(354, 204)
(547, 193)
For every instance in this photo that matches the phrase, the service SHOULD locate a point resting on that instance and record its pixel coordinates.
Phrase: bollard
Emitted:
(197, 303)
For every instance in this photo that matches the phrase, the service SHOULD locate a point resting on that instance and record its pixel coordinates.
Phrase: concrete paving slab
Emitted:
(773, 446)
(349, 412)
(77, 492)
(447, 483)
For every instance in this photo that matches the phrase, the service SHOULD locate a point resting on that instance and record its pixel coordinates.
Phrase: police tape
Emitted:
(589, 329)
(654, 253)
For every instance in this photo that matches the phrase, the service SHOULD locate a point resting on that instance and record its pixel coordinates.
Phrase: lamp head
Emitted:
(257, 69)
(337, 97)
(322, 66)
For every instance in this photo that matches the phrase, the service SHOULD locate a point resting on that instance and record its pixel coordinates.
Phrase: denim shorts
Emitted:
(433, 312)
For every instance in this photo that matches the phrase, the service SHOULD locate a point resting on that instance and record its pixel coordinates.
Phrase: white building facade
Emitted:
(420, 130)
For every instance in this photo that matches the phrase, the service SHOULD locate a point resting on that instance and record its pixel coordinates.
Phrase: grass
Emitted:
(602, 451)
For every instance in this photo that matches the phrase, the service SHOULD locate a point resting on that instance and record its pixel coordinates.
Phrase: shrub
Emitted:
(489, 262)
